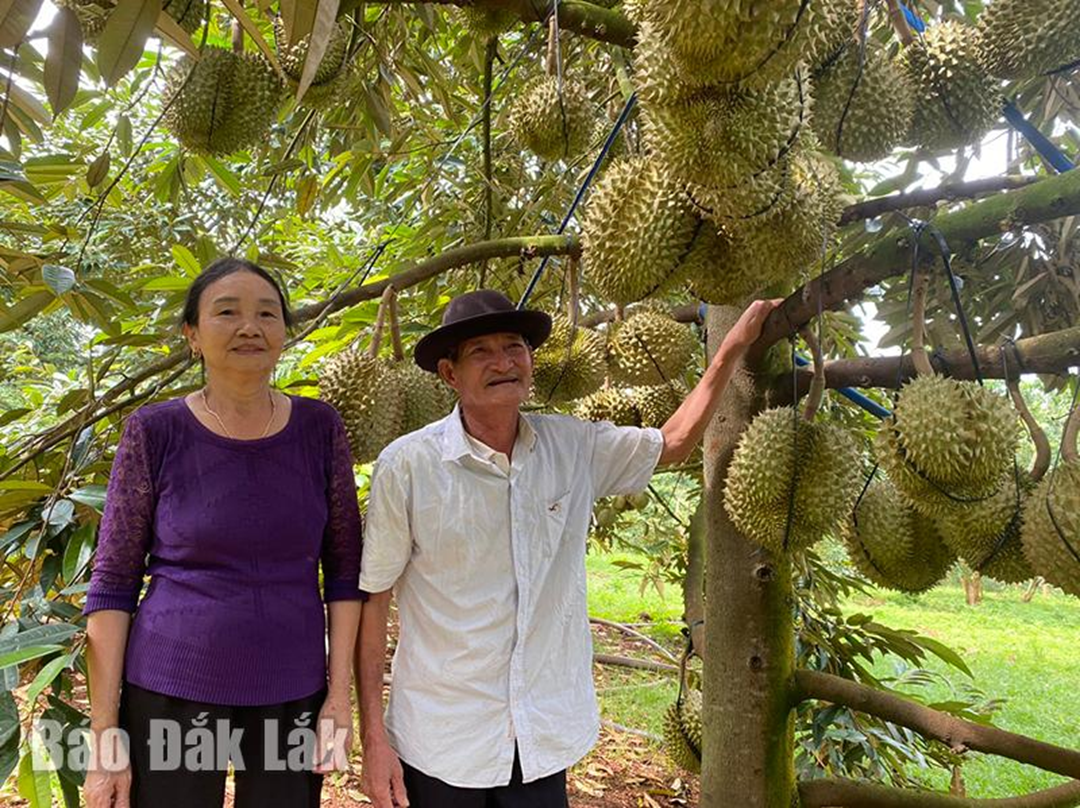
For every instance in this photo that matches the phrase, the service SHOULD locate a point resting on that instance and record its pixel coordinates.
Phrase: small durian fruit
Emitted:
(188, 14)
(657, 402)
(332, 76)
(484, 22)
(636, 230)
(1051, 532)
(892, 545)
(226, 105)
(949, 444)
(683, 731)
(1027, 38)
(957, 100)
(366, 392)
(650, 347)
(551, 124)
(570, 364)
(863, 103)
(609, 404)
(425, 397)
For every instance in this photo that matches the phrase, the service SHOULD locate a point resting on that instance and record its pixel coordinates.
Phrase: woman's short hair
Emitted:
(219, 269)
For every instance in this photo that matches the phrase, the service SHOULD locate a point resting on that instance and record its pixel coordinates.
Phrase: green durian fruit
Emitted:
(333, 76)
(894, 546)
(226, 105)
(609, 404)
(636, 230)
(957, 101)
(683, 732)
(1051, 531)
(656, 76)
(367, 393)
(553, 126)
(1027, 38)
(570, 364)
(484, 22)
(425, 397)
(658, 402)
(188, 14)
(788, 489)
(863, 103)
(949, 444)
(92, 16)
(650, 347)
(714, 272)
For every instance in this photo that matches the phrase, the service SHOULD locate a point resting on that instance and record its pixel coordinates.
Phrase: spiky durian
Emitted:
(188, 14)
(790, 482)
(636, 231)
(1027, 38)
(987, 534)
(894, 546)
(683, 731)
(227, 104)
(425, 397)
(958, 101)
(485, 22)
(649, 347)
(1051, 532)
(609, 404)
(949, 444)
(553, 125)
(570, 364)
(91, 15)
(748, 202)
(657, 402)
(656, 76)
(367, 394)
(332, 76)
(863, 103)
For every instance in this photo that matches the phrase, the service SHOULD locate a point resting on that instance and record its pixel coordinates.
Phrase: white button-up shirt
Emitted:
(488, 561)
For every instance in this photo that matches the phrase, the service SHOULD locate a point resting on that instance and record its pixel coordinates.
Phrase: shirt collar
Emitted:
(456, 444)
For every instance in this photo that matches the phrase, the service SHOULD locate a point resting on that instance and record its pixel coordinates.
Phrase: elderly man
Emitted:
(479, 521)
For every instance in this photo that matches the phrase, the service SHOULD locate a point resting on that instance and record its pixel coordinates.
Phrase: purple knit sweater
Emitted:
(231, 533)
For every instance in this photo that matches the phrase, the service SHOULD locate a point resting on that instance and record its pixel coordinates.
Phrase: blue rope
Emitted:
(1046, 149)
(913, 19)
(626, 110)
(852, 395)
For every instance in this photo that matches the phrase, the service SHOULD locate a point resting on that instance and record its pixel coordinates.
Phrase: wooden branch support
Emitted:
(636, 664)
(850, 794)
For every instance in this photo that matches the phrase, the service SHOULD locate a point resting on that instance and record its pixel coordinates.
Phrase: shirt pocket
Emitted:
(552, 521)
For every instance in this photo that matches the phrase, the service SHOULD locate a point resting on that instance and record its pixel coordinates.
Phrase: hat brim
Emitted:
(535, 326)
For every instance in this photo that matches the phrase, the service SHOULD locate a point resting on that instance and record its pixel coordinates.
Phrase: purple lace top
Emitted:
(231, 533)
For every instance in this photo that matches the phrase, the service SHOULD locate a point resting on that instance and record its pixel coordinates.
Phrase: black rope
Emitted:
(954, 288)
(795, 466)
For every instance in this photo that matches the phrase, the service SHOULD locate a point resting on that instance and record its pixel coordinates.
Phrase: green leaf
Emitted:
(49, 634)
(12, 171)
(10, 732)
(59, 279)
(64, 61)
(224, 177)
(185, 259)
(123, 135)
(25, 310)
(377, 107)
(945, 654)
(34, 785)
(46, 675)
(169, 283)
(92, 495)
(25, 485)
(322, 31)
(77, 553)
(16, 534)
(16, 17)
(124, 38)
(298, 17)
(26, 654)
(98, 170)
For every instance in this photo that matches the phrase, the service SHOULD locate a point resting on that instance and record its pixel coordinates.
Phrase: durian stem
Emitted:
(899, 23)
(551, 63)
(573, 304)
(918, 320)
(1070, 452)
(840, 793)
(238, 35)
(395, 327)
(380, 322)
(1043, 452)
(817, 385)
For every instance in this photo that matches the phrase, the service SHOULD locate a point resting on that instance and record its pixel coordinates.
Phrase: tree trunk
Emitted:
(748, 754)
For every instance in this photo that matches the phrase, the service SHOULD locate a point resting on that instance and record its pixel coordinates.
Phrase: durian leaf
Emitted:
(16, 17)
(24, 310)
(172, 33)
(64, 62)
(321, 32)
(98, 170)
(35, 785)
(30, 106)
(298, 17)
(236, 8)
(124, 38)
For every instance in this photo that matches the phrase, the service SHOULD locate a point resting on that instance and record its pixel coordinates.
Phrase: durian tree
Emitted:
(382, 157)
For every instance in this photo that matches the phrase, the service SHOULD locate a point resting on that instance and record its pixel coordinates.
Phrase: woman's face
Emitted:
(241, 328)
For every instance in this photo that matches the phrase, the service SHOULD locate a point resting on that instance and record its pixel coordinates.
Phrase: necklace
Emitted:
(273, 409)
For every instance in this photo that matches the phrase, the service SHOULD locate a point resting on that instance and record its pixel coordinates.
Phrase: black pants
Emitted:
(427, 792)
(199, 781)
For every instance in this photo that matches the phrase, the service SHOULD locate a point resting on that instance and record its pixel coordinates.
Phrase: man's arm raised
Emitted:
(685, 429)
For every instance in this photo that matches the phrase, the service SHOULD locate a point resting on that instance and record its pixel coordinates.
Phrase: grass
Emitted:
(1025, 654)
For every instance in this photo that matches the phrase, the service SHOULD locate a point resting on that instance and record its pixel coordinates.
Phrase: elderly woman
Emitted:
(229, 498)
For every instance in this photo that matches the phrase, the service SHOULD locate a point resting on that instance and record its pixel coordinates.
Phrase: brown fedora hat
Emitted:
(473, 315)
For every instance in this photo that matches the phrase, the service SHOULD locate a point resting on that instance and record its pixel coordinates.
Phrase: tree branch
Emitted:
(872, 208)
(956, 733)
(1045, 200)
(637, 664)
(850, 794)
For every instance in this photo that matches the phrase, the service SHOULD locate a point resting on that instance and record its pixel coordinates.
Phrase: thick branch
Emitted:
(1047, 353)
(958, 734)
(687, 313)
(872, 208)
(849, 794)
(1045, 200)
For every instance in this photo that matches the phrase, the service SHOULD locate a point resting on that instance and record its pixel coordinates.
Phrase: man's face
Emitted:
(494, 370)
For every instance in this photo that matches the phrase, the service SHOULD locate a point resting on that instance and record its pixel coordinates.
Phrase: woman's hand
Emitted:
(334, 734)
(108, 775)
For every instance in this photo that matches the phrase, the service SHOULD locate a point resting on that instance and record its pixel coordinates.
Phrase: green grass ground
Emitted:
(1026, 654)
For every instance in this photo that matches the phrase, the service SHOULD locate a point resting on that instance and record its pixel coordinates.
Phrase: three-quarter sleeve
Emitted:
(127, 524)
(342, 542)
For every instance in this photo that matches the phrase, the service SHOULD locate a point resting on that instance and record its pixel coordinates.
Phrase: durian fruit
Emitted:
(484, 23)
(1027, 38)
(957, 100)
(553, 125)
(332, 76)
(425, 397)
(188, 14)
(92, 16)
(227, 104)
(657, 403)
(713, 271)
(683, 731)
(570, 364)
(893, 545)
(366, 392)
(650, 347)
(791, 482)
(1051, 532)
(636, 231)
(750, 201)
(656, 76)
(949, 444)
(863, 103)
(609, 404)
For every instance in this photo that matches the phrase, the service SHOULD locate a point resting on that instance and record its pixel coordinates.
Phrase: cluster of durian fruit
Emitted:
(745, 104)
